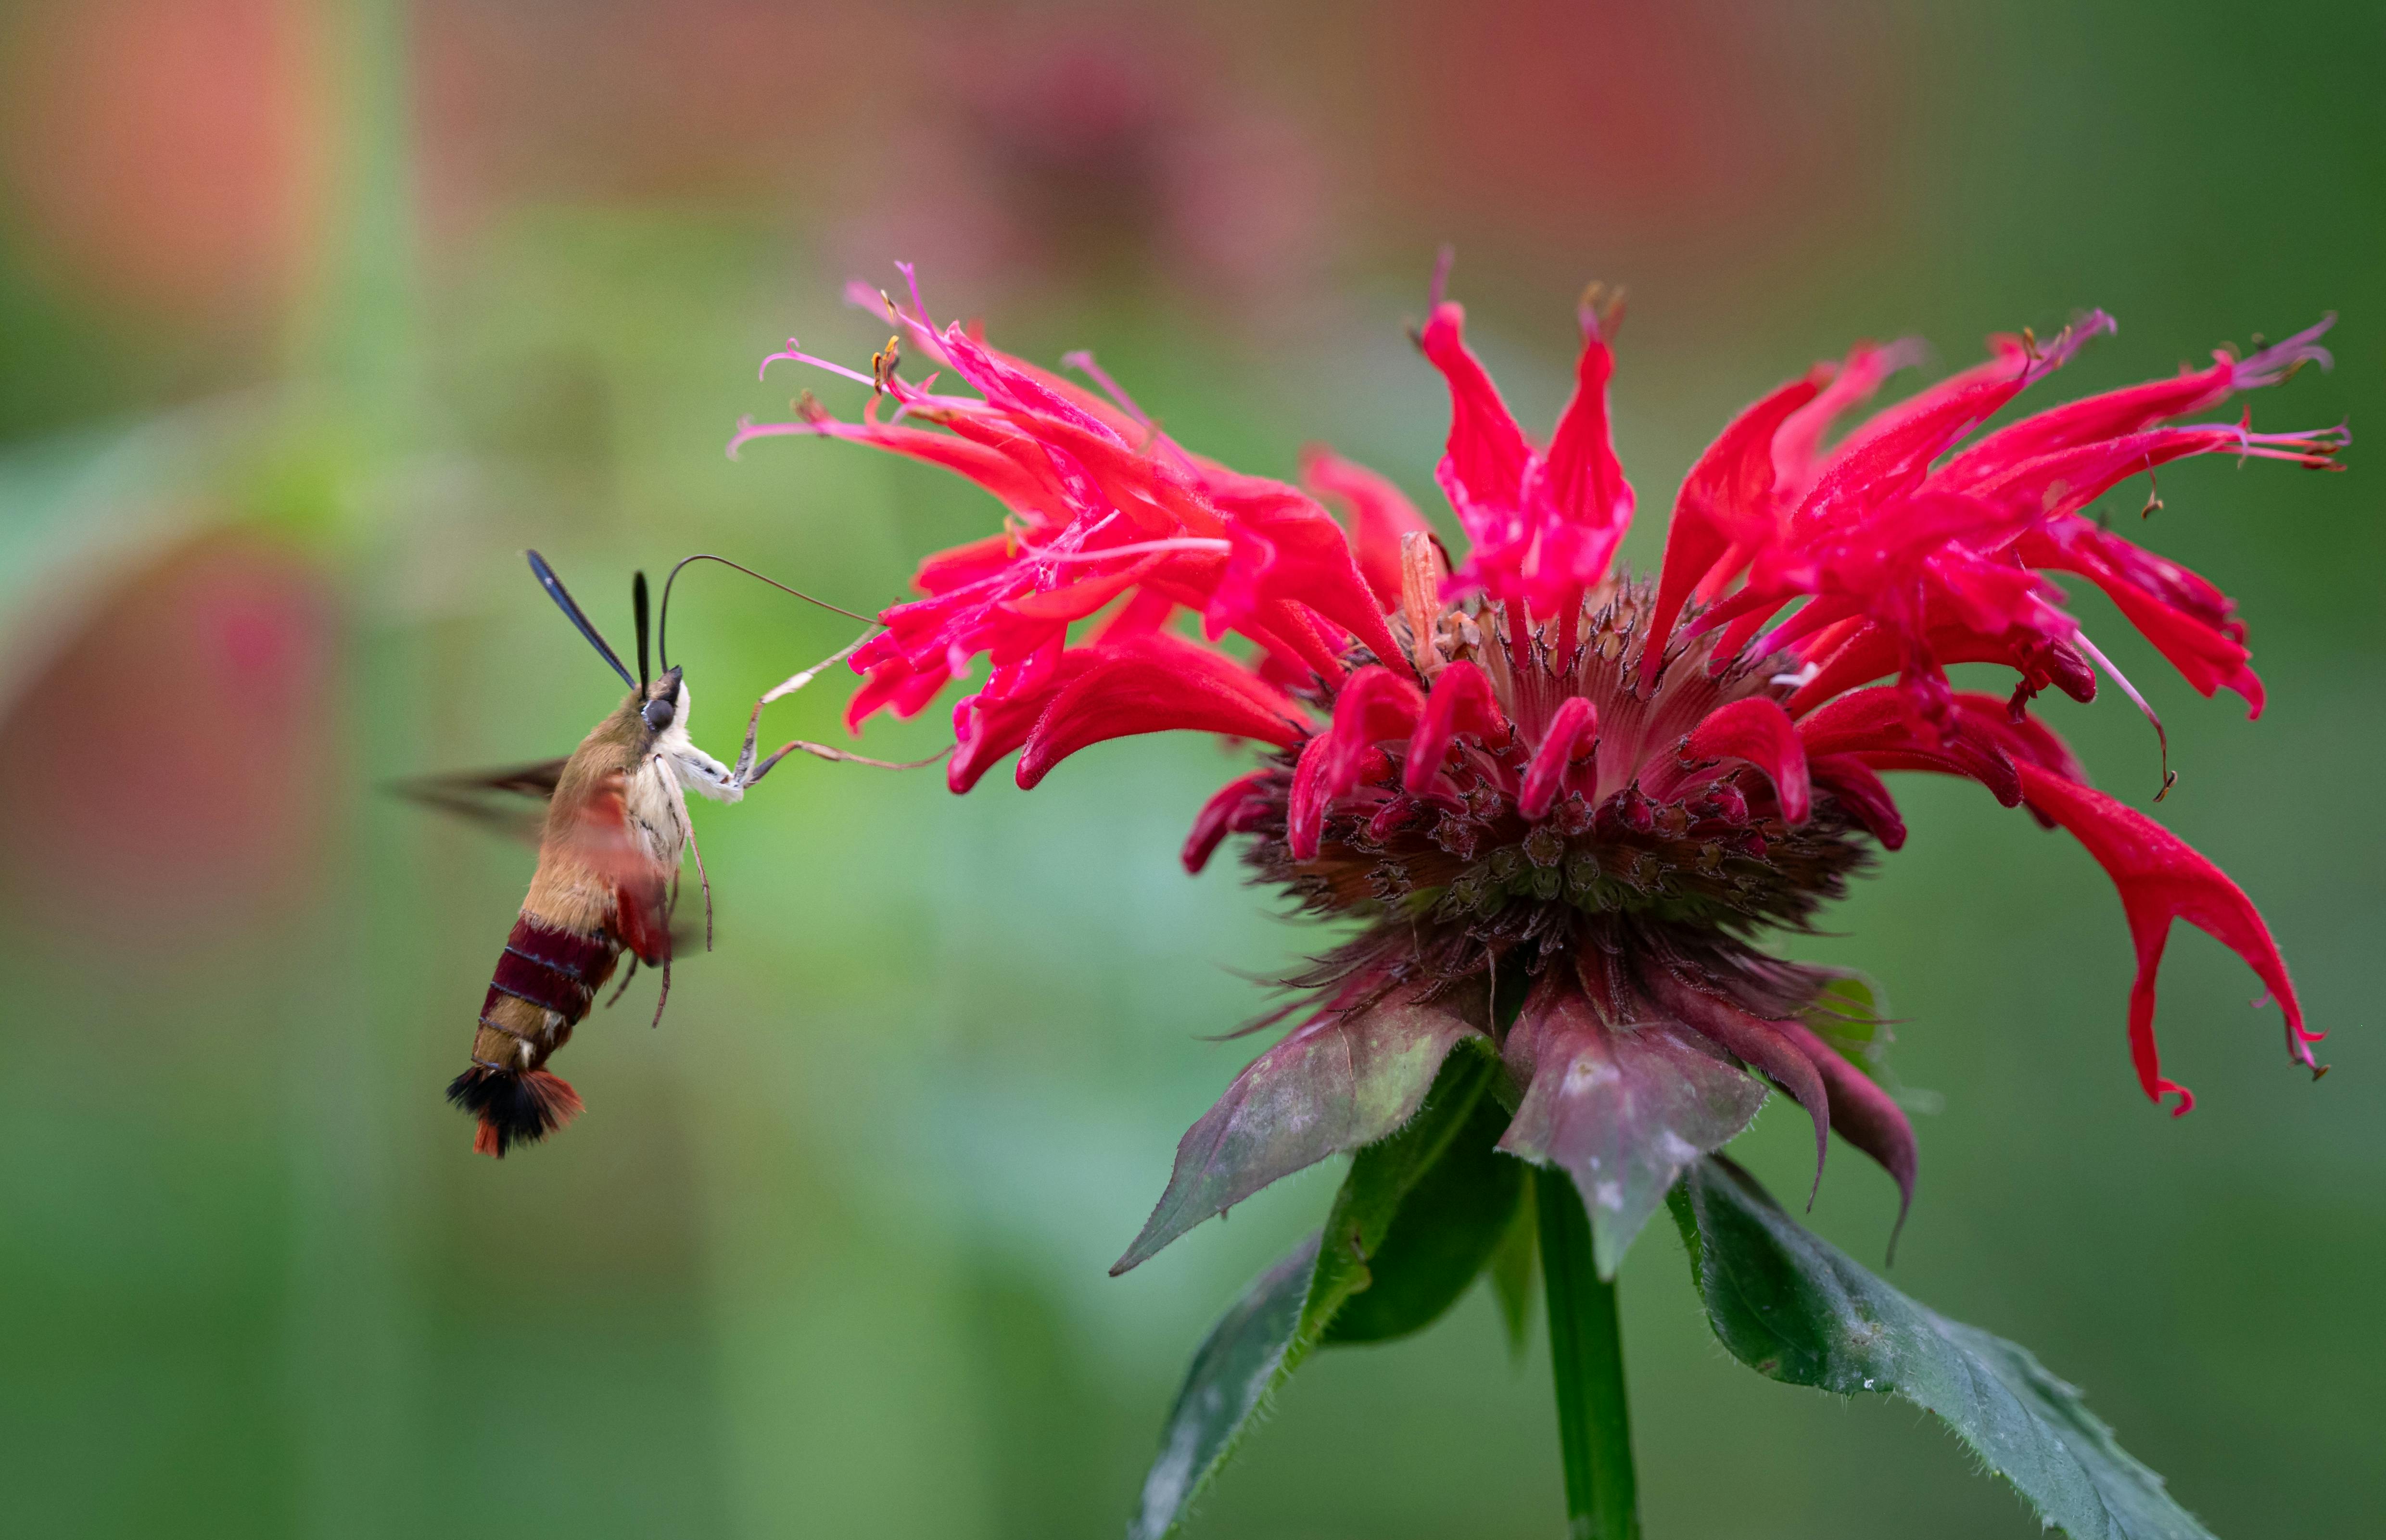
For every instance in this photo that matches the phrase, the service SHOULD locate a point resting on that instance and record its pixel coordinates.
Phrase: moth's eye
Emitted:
(658, 714)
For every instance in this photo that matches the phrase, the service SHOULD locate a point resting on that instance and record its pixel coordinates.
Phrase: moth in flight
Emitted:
(610, 843)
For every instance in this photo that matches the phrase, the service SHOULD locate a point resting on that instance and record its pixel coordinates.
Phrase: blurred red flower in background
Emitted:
(185, 733)
(159, 149)
(1537, 773)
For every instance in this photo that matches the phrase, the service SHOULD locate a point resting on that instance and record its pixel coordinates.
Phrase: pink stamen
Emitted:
(2162, 739)
(794, 353)
(1136, 548)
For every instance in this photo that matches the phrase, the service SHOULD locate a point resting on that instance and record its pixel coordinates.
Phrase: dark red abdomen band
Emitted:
(557, 971)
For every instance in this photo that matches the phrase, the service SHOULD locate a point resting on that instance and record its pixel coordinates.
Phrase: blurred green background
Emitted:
(315, 314)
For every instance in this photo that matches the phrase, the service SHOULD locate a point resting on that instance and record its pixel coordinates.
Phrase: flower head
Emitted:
(1562, 804)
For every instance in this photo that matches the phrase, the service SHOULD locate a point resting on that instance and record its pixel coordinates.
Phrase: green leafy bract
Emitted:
(1796, 1308)
(1436, 1175)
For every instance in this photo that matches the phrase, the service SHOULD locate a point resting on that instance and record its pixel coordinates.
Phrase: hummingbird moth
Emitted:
(611, 844)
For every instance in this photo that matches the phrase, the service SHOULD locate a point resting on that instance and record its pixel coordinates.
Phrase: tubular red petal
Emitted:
(1487, 454)
(1877, 726)
(1463, 701)
(1308, 560)
(1726, 494)
(1153, 684)
(2026, 739)
(1798, 447)
(1305, 813)
(1758, 731)
(1573, 728)
(1893, 451)
(1581, 473)
(1074, 601)
(2188, 621)
(894, 685)
(2135, 408)
(1380, 514)
(2161, 877)
(1874, 651)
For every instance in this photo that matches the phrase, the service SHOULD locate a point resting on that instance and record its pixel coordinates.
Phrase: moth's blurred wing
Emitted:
(596, 838)
(512, 802)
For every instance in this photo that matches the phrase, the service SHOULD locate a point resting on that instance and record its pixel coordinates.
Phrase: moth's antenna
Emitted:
(638, 608)
(554, 586)
(663, 650)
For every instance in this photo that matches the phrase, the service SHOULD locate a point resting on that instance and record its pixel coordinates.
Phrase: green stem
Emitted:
(1586, 1361)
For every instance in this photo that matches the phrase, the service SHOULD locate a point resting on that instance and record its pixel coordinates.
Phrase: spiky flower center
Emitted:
(1640, 825)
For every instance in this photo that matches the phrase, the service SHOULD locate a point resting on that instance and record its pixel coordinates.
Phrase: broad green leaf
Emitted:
(1447, 1232)
(1246, 1356)
(1267, 1332)
(1516, 1277)
(1796, 1308)
(1336, 1083)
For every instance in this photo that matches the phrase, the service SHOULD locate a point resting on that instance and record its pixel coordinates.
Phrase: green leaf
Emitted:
(1449, 1228)
(1516, 1278)
(1851, 1015)
(1267, 1332)
(1796, 1308)
(1246, 1356)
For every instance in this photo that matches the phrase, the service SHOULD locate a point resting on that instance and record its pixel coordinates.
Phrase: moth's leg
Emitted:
(624, 987)
(743, 774)
(665, 995)
(824, 752)
(702, 882)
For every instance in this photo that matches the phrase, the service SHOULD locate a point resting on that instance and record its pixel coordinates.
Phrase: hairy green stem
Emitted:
(1586, 1359)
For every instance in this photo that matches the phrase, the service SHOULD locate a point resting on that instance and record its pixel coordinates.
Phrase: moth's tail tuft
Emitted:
(513, 1107)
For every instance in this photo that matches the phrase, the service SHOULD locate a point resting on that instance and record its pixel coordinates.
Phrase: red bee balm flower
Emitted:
(1562, 803)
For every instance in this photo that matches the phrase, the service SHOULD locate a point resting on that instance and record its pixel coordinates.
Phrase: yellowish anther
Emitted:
(1601, 307)
(884, 362)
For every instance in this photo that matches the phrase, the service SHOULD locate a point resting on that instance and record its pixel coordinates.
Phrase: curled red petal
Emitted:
(2161, 877)
(1463, 701)
(1373, 705)
(1758, 731)
(1218, 817)
(1860, 794)
(1153, 684)
(1573, 728)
